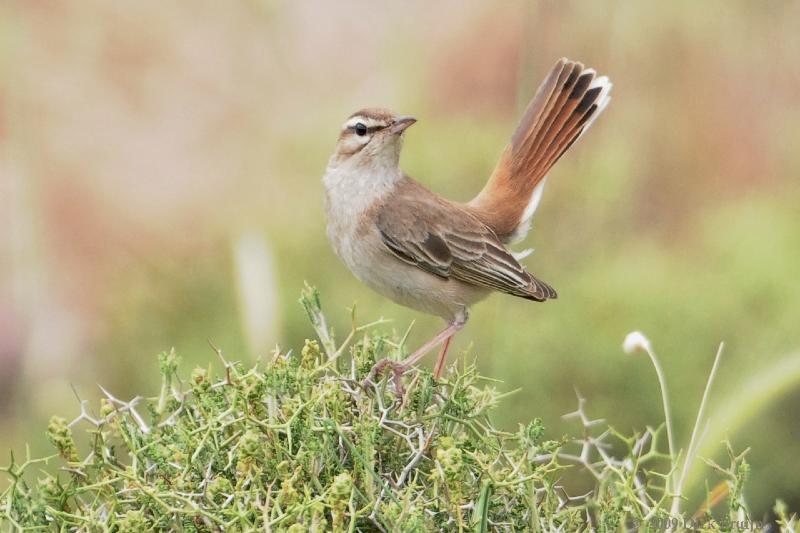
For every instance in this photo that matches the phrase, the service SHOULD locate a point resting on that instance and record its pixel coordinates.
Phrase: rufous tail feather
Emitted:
(567, 102)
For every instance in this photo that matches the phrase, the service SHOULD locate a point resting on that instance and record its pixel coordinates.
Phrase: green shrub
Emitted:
(296, 443)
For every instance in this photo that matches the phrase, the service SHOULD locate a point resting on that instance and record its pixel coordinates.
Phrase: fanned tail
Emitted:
(567, 102)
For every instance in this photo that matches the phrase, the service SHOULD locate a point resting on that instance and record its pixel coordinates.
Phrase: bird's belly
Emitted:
(409, 286)
(369, 260)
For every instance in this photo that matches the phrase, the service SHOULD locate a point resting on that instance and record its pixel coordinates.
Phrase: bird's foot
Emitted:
(401, 367)
(398, 369)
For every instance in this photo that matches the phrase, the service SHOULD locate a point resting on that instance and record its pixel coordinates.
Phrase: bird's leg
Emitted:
(437, 370)
(401, 367)
(444, 335)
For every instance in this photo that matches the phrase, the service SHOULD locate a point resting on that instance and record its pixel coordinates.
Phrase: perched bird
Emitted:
(435, 255)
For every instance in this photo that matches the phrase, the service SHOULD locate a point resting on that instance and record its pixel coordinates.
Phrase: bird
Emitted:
(439, 256)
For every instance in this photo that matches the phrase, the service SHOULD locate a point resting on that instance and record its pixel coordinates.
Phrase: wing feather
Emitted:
(445, 240)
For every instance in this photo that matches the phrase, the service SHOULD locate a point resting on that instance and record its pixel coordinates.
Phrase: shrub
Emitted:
(297, 444)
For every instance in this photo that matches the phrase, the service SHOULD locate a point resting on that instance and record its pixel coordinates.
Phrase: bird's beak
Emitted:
(401, 124)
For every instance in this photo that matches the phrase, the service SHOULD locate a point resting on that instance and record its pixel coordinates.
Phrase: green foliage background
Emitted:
(305, 441)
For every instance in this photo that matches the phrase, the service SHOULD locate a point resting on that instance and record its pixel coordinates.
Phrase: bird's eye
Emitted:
(361, 129)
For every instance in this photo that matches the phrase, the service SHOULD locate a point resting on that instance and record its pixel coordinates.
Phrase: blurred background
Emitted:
(160, 186)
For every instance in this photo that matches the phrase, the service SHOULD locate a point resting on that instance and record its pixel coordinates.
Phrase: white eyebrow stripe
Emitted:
(367, 121)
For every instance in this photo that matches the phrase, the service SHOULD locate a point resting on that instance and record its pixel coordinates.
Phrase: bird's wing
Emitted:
(444, 239)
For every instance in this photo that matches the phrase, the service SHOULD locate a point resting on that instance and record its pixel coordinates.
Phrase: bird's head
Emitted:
(372, 137)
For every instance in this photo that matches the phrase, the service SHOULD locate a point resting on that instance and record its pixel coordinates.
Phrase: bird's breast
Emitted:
(352, 195)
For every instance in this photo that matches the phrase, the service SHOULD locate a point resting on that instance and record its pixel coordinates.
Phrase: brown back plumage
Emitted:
(566, 103)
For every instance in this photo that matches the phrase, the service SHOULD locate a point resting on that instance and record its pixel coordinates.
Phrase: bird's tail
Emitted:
(565, 105)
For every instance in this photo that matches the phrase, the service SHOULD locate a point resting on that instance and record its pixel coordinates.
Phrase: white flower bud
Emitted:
(636, 341)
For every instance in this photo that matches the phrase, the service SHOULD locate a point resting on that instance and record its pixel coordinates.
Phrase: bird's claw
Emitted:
(398, 369)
